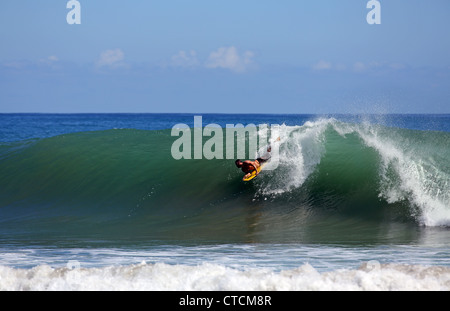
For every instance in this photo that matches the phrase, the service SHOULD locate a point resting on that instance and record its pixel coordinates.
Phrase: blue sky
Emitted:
(293, 56)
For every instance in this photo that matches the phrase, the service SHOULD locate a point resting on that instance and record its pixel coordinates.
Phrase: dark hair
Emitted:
(238, 163)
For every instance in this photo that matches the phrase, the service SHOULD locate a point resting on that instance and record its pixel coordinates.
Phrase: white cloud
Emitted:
(398, 66)
(229, 58)
(359, 67)
(14, 64)
(111, 58)
(362, 67)
(340, 67)
(50, 61)
(53, 58)
(185, 59)
(322, 65)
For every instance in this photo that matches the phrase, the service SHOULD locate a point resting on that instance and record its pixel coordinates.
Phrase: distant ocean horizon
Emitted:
(96, 201)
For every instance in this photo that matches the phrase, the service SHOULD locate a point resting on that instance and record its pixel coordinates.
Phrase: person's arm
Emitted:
(256, 165)
(246, 176)
(269, 149)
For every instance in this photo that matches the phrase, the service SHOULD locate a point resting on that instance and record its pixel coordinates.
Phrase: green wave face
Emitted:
(335, 181)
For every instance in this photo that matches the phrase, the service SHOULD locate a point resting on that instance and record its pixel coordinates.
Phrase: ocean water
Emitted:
(97, 202)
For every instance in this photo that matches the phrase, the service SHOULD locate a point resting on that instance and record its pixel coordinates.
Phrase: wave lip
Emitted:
(413, 168)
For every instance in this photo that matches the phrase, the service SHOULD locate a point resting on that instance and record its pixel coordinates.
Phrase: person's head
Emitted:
(239, 163)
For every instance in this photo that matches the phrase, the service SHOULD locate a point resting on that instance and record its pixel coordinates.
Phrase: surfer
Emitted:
(252, 166)
(249, 166)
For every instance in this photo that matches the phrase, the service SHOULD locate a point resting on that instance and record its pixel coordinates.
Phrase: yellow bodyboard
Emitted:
(253, 174)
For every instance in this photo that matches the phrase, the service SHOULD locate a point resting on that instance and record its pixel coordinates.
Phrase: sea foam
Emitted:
(212, 277)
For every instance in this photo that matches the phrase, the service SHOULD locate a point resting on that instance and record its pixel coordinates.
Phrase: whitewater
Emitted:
(245, 268)
(413, 166)
(206, 277)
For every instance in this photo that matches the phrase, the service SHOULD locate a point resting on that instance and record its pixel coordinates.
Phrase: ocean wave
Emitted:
(125, 182)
